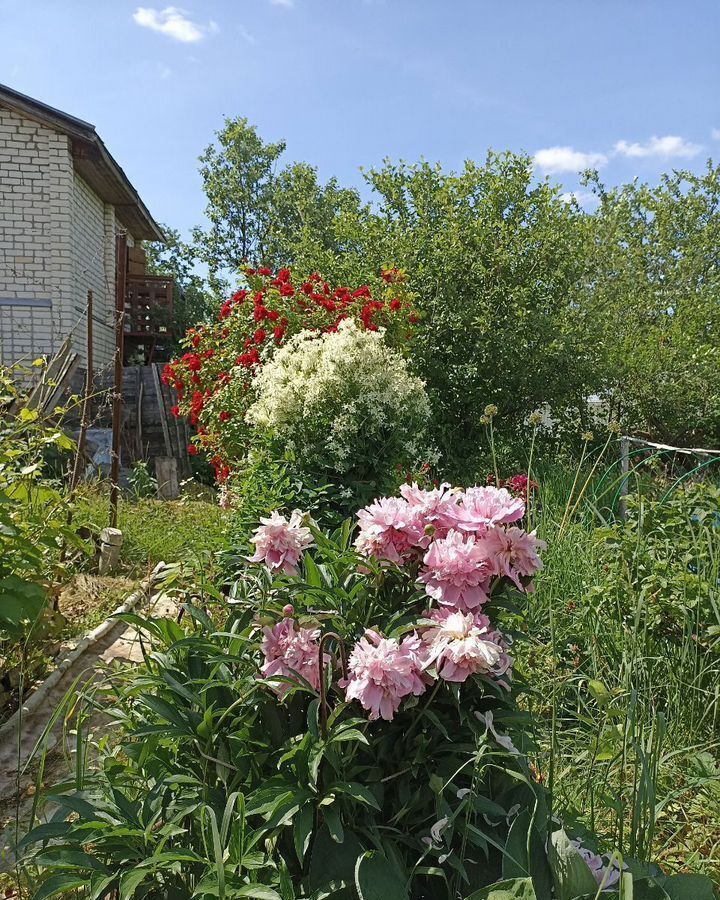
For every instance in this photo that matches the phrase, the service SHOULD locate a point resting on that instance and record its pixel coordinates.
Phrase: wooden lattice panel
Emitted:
(149, 306)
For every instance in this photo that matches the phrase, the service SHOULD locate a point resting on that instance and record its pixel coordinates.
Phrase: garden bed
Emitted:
(83, 603)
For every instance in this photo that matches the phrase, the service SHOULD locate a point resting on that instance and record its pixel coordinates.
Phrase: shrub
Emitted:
(34, 524)
(345, 403)
(343, 728)
(214, 380)
(662, 567)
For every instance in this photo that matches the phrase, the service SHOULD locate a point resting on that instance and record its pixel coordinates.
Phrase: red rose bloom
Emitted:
(192, 450)
(260, 336)
(193, 362)
(225, 416)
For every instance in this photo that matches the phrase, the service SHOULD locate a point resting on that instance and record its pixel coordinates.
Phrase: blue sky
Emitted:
(632, 86)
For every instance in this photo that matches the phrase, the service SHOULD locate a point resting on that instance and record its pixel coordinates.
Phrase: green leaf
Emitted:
(571, 875)
(21, 602)
(331, 862)
(510, 889)
(258, 891)
(302, 830)
(58, 884)
(312, 573)
(350, 734)
(357, 791)
(686, 887)
(131, 881)
(62, 858)
(600, 694)
(378, 879)
(334, 823)
(525, 854)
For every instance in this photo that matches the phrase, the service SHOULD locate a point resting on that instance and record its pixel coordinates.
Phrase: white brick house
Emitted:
(63, 200)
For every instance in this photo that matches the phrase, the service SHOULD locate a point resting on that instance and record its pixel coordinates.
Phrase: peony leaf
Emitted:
(377, 879)
(510, 889)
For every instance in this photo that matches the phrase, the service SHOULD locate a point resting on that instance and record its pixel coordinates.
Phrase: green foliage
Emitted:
(650, 303)
(211, 788)
(347, 405)
(214, 789)
(33, 514)
(661, 568)
(141, 480)
(193, 301)
(626, 706)
(528, 300)
(269, 481)
(258, 213)
(494, 258)
(156, 530)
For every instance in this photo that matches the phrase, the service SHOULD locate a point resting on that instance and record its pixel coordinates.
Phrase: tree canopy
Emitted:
(528, 301)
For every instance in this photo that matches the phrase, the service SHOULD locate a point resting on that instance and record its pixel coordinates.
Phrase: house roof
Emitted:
(92, 161)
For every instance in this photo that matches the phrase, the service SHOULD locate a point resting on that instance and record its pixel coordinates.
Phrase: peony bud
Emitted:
(288, 610)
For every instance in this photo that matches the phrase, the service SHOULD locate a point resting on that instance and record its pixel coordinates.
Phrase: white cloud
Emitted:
(567, 159)
(163, 70)
(667, 146)
(174, 23)
(716, 134)
(286, 3)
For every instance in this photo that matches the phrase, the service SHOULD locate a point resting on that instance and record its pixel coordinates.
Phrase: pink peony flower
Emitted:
(513, 552)
(381, 672)
(456, 572)
(388, 530)
(603, 873)
(481, 507)
(432, 511)
(290, 650)
(279, 543)
(462, 644)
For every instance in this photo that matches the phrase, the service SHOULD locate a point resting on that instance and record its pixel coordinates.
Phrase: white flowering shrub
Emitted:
(345, 402)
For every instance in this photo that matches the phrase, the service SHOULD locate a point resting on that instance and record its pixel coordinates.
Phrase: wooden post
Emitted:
(87, 399)
(166, 475)
(120, 288)
(625, 469)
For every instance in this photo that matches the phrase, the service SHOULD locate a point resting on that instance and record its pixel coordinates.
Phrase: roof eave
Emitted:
(93, 161)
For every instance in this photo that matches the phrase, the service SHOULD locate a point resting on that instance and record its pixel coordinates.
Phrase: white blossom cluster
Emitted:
(344, 401)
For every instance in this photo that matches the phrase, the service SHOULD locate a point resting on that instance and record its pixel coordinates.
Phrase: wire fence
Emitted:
(635, 456)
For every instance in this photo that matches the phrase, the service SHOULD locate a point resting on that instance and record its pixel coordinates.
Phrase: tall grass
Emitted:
(628, 716)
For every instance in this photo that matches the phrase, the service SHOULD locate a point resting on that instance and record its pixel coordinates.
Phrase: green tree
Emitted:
(653, 304)
(496, 261)
(258, 212)
(193, 300)
(527, 301)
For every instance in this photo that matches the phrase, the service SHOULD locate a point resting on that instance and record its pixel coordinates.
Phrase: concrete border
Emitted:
(83, 645)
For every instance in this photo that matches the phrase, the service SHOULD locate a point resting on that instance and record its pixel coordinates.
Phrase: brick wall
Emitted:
(35, 257)
(57, 241)
(93, 255)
